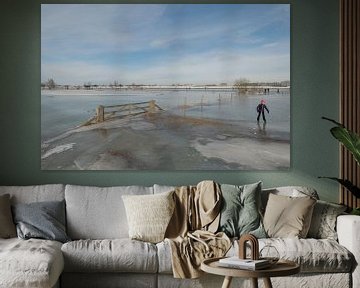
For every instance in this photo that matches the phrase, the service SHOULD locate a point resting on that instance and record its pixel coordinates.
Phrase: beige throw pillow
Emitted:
(149, 215)
(288, 217)
(7, 226)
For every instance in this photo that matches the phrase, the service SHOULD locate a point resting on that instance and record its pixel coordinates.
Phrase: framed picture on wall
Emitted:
(165, 86)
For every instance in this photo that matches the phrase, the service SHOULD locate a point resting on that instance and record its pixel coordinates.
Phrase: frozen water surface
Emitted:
(199, 129)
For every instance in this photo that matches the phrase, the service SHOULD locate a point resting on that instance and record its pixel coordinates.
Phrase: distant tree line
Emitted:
(243, 84)
(51, 84)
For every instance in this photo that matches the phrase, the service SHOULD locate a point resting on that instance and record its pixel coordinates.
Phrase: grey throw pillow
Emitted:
(7, 226)
(44, 220)
(240, 213)
(323, 222)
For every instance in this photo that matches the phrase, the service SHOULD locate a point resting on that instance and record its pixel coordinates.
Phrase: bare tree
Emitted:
(242, 84)
(87, 85)
(50, 83)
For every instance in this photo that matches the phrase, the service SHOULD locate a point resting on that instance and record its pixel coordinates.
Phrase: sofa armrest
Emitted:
(348, 230)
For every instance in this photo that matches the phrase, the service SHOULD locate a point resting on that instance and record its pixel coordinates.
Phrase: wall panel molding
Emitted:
(349, 91)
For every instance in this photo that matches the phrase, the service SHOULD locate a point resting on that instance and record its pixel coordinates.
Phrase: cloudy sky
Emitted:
(164, 43)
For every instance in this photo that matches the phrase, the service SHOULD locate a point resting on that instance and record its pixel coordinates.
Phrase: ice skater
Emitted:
(261, 110)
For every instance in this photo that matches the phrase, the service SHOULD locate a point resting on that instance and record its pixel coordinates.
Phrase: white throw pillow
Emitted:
(149, 215)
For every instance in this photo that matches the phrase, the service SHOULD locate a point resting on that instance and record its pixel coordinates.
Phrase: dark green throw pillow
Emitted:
(43, 220)
(240, 213)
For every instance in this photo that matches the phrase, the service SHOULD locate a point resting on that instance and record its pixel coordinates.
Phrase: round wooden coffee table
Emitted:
(281, 268)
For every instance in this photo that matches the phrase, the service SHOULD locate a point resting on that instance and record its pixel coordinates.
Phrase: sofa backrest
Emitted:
(98, 212)
(162, 188)
(293, 191)
(36, 193)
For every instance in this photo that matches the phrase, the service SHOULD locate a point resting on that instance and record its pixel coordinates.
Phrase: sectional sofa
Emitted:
(99, 253)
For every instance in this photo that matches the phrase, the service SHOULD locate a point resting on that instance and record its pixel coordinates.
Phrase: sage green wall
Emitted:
(314, 78)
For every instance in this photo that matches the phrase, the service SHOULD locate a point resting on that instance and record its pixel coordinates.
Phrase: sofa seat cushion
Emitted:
(115, 255)
(30, 263)
(313, 255)
(164, 257)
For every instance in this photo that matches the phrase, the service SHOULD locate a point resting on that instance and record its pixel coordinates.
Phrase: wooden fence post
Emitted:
(152, 106)
(100, 114)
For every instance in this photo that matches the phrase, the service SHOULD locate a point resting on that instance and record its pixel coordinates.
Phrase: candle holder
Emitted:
(254, 246)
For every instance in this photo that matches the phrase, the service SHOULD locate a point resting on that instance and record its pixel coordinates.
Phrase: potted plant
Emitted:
(351, 141)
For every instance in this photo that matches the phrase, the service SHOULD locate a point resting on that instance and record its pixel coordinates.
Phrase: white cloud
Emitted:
(217, 68)
(79, 73)
(69, 29)
(208, 67)
(82, 43)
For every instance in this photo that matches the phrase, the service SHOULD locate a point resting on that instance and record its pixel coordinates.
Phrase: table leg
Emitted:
(267, 283)
(254, 282)
(227, 282)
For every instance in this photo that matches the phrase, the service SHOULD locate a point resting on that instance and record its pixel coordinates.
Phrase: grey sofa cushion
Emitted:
(36, 193)
(44, 220)
(163, 188)
(117, 255)
(164, 257)
(98, 213)
(31, 263)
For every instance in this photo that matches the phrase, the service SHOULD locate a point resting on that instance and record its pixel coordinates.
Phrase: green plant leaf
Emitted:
(355, 211)
(333, 121)
(347, 184)
(348, 138)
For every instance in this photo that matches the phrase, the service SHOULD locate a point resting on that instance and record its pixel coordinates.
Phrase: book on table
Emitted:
(249, 264)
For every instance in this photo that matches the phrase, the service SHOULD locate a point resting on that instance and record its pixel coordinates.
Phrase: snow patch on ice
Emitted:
(58, 149)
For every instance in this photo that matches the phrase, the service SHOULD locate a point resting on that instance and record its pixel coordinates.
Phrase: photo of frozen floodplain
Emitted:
(165, 87)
